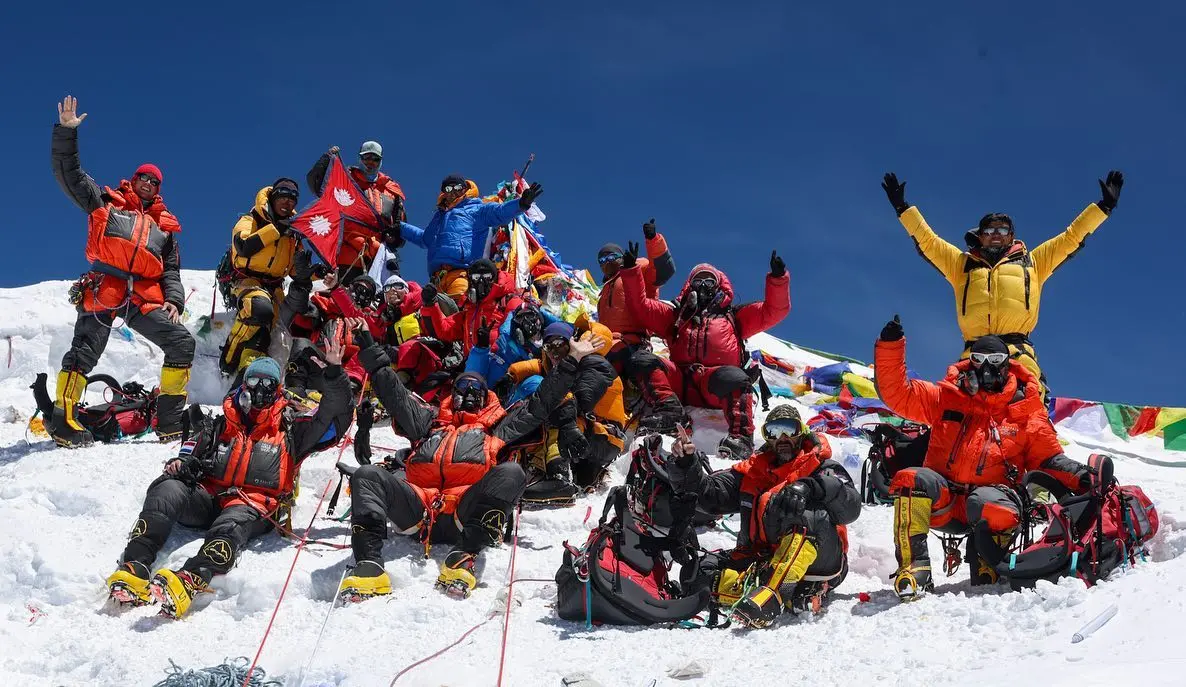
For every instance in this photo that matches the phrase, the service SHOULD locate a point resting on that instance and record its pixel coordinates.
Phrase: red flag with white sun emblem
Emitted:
(322, 222)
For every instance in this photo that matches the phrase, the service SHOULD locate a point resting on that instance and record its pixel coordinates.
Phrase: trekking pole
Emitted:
(324, 623)
(1094, 624)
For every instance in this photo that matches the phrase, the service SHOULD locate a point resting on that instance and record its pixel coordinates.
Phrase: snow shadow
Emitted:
(13, 453)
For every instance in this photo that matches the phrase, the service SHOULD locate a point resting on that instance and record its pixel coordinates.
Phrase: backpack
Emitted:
(893, 448)
(1088, 536)
(650, 496)
(224, 276)
(620, 576)
(129, 413)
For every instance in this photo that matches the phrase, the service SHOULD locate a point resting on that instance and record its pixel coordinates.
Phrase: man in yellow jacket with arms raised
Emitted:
(998, 281)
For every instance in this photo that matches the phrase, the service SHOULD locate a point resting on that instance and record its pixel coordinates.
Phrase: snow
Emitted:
(65, 515)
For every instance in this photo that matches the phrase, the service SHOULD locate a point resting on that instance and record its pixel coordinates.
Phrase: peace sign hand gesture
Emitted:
(68, 113)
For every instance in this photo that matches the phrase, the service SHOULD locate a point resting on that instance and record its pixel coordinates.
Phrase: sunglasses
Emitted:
(779, 429)
(371, 158)
(149, 179)
(452, 188)
(265, 383)
(989, 231)
(994, 359)
(610, 257)
(555, 343)
(467, 384)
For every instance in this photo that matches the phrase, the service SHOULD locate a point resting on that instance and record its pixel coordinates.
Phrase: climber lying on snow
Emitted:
(233, 477)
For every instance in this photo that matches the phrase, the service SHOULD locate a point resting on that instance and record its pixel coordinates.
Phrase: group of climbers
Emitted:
(504, 403)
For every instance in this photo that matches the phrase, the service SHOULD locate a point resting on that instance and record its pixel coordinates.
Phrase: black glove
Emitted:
(429, 294)
(685, 472)
(895, 192)
(892, 331)
(365, 419)
(777, 266)
(649, 230)
(1110, 191)
(630, 259)
(529, 195)
(482, 337)
(503, 388)
(363, 338)
(573, 444)
(393, 238)
(784, 512)
(302, 268)
(814, 489)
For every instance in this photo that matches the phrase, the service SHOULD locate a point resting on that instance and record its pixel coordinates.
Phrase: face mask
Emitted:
(468, 395)
(480, 285)
(258, 393)
(525, 329)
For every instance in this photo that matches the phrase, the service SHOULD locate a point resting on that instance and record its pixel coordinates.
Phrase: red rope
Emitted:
(301, 546)
(291, 568)
(429, 658)
(506, 620)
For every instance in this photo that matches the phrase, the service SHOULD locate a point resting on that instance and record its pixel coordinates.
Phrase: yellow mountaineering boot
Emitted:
(170, 403)
(129, 584)
(912, 523)
(175, 590)
(730, 585)
(64, 426)
(368, 580)
(457, 578)
(762, 606)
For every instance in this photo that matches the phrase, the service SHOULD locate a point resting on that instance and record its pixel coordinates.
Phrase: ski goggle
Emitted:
(265, 383)
(452, 188)
(994, 359)
(704, 283)
(149, 179)
(481, 276)
(395, 287)
(285, 192)
(609, 257)
(782, 428)
(556, 343)
(1003, 231)
(467, 384)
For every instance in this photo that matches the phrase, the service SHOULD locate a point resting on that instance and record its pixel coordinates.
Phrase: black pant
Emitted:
(378, 495)
(91, 331)
(171, 501)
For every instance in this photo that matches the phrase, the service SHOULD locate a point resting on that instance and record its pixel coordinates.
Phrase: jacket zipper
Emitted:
(956, 445)
(993, 435)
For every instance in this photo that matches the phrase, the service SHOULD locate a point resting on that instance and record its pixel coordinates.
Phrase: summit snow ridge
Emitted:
(65, 515)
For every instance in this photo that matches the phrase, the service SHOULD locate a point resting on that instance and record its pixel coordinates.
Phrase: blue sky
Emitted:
(741, 127)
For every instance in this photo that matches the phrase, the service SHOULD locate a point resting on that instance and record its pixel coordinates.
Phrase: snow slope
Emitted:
(65, 514)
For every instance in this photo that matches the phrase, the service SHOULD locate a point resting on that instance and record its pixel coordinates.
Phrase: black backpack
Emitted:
(129, 413)
(620, 576)
(893, 449)
(650, 496)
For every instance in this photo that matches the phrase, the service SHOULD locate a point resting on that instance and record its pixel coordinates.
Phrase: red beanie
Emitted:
(149, 168)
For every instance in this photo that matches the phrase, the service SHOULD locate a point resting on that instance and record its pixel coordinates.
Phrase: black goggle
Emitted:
(149, 179)
(264, 383)
(467, 384)
(555, 344)
(778, 429)
(704, 283)
(452, 188)
(481, 276)
(994, 359)
(609, 257)
(285, 193)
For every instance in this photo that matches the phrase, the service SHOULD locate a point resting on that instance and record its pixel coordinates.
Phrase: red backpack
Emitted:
(1088, 535)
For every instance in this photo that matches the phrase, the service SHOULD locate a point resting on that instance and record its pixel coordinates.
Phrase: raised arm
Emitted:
(411, 416)
(942, 255)
(758, 317)
(652, 314)
(67, 167)
(316, 176)
(911, 398)
(1053, 253)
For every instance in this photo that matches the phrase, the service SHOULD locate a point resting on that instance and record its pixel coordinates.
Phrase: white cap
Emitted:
(371, 148)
